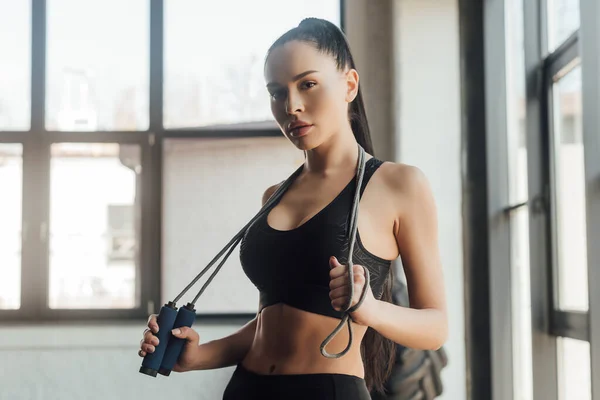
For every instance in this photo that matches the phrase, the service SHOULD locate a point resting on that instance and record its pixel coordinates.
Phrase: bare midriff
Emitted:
(288, 340)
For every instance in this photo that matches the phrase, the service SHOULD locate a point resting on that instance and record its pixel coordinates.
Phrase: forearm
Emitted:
(227, 351)
(415, 328)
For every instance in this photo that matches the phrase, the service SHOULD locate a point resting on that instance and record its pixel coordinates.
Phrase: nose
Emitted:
(294, 103)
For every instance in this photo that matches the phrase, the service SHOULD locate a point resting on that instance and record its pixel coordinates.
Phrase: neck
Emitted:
(340, 151)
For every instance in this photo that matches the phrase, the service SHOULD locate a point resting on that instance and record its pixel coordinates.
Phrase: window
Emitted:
(11, 177)
(97, 77)
(122, 243)
(518, 194)
(542, 168)
(521, 305)
(106, 198)
(221, 82)
(516, 102)
(93, 262)
(569, 192)
(574, 369)
(563, 21)
(15, 67)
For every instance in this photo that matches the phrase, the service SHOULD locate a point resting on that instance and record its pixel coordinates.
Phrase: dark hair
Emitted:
(329, 39)
(378, 353)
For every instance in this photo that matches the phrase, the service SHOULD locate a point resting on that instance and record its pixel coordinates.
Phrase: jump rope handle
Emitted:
(185, 317)
(165, 320)
(169, 348)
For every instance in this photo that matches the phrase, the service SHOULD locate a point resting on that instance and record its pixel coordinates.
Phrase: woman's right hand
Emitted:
(188, 360)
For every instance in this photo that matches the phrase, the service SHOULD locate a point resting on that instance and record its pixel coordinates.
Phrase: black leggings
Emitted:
(247, 385)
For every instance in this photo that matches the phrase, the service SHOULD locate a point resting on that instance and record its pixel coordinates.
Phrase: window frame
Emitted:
(548, 322)
(37, 142)
(590, 60)
(487, 211)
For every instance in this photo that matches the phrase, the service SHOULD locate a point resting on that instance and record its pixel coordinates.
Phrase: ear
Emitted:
(352, 80)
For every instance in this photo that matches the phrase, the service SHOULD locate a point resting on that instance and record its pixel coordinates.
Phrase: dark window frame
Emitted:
(487, 214)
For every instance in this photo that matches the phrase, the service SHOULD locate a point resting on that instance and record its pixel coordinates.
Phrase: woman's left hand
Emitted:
(339, 291)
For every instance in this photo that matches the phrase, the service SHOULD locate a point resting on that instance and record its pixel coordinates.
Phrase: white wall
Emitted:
(428, 136)
(56, 362)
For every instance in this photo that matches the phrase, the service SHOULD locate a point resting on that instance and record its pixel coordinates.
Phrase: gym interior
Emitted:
(120, 121)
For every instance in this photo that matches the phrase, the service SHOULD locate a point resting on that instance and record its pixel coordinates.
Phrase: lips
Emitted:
(298, 128)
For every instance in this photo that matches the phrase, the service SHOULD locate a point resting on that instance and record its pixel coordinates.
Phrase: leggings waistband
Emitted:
(240, 369)
(248, 385)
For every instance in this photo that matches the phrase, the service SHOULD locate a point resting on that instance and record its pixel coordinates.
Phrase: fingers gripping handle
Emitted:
(346, 319)
(185, 317)
(165, 320)
(169, 347)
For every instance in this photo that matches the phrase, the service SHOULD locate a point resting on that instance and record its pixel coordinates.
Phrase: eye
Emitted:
(309, 84)
(277, 94)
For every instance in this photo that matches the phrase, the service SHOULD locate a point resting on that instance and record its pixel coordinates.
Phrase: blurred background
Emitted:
(136, 139)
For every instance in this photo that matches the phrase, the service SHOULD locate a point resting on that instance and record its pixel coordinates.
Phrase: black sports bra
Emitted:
(292, 267)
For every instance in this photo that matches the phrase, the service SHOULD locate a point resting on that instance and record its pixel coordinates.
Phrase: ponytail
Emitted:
(359, 123)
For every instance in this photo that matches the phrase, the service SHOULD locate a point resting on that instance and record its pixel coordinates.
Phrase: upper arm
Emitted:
(417, 238)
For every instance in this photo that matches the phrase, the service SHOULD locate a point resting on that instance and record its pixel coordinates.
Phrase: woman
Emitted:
(296, 253)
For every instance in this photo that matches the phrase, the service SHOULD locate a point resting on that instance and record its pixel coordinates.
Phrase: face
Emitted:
(309, 94)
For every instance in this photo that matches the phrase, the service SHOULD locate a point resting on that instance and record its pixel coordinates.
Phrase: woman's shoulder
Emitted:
(408, 186)
(403, 178)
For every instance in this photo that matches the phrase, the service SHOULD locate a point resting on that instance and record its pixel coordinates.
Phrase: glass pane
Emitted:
(518, 193)
(515, 80)
(98, 65)
(521, 306)
(94, 225)
(563, 20)
(15, 65)
(11, 182)
(569, 179)
(216, 82)
(212, 188)
(574, 369)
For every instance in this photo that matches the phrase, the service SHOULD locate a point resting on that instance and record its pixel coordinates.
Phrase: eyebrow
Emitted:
(295, 78)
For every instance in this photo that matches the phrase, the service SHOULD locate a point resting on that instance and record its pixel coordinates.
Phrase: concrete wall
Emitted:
(370, 34)
(56, 362)
(429, 132)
